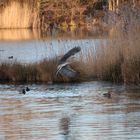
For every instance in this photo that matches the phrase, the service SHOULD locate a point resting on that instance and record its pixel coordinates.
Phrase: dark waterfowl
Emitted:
(27, 89)
(10, 57)
(22, 91)
(108, 94)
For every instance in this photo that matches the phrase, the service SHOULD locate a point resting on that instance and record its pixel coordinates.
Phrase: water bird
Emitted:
(66, 71)
(10, 57)
(23, 91)
(64, 68)
(27, 89)
(108, 94)
(70, 53)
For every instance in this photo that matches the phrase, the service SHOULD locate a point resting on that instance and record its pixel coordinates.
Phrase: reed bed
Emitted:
(117, 60)
(46, 14)
(43, 71)
(19, 14)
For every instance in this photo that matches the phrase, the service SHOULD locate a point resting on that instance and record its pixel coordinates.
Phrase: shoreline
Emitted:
(48, 14)
(118, 62)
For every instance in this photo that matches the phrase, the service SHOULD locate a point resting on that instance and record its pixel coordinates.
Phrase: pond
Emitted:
(69, 112)
(74, 111)
(27, 47)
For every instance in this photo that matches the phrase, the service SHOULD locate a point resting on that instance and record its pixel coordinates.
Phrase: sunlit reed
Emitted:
(18, 14)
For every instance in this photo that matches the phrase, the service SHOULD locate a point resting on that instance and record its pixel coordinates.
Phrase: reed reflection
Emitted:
(65, 127)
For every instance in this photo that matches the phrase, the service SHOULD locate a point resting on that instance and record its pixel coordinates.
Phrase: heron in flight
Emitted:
(64, 69)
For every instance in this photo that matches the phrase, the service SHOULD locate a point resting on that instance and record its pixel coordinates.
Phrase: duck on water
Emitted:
(24, 90)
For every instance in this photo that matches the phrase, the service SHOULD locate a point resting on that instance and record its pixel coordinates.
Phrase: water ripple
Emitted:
(69, 112)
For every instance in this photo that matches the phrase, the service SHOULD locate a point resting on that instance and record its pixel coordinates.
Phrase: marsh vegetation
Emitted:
(117, 60)
(38, 101)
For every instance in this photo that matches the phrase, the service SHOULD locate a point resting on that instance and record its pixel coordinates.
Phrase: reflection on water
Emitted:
(29, 46)
(64, 127)
(28, 34)
(18, 34)
(36, 50)
(69, 112)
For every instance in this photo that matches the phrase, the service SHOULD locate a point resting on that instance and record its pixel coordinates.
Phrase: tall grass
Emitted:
(36, 72)
(117, 60)
(46, 13)
(53, 13)
(18, 14)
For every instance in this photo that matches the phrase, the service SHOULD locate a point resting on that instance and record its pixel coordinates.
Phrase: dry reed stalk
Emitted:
(117, 60)
(19, 14)
(46, 70)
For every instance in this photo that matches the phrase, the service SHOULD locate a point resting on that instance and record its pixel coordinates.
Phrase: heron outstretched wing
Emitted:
(71, 52)
(64, 68)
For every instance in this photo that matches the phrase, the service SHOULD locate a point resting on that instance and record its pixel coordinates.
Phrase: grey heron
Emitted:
(64, 69)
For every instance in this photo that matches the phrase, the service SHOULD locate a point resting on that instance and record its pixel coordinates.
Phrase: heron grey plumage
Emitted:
(64, 68)
(70, 53)
(66, 71)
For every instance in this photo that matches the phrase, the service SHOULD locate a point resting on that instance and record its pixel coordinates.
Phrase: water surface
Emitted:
(63, 111)
(69, 112)
(27, 46)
